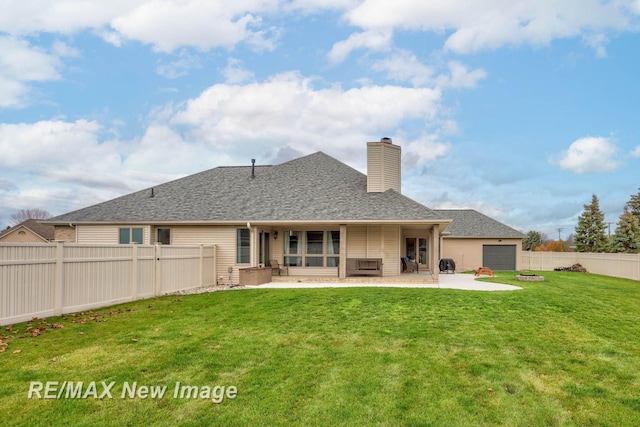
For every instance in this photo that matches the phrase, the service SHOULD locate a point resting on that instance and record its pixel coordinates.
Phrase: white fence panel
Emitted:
(41, 280)
(27, 276)
(96, 275)
(625, 266)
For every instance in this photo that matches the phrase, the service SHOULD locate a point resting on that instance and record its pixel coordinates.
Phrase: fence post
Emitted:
(58, 281)
(157, 270)
(134, 272)
(215, 264)
(201, 269)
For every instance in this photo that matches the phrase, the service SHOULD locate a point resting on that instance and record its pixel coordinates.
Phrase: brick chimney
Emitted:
(383, 166)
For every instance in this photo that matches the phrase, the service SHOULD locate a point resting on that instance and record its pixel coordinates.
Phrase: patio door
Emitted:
(411, 247)
(416, 248)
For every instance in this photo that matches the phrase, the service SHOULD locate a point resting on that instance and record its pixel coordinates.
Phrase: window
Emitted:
(315, 242)
(293, 246)
(131, 235)
(333, 248)
(321, 248)
(164, 236)
(243, 245)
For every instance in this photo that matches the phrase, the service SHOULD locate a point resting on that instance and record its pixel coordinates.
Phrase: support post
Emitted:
(436, 250)
(342, 269)
(201, 267)
(134, 272)
(157, 269)
(58, 286)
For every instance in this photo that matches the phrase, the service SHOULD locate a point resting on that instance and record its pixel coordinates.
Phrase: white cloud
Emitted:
(288, 109)
(63, 166)
(489, 24)
(372, 40)
(21, 64)
(636, 152)
(165, 24)
(37, 146)
(597, 42)
(22, 17)
(426, 148)
(62, 49)
(474, 25)
(180, 67)
(460, 76)
(404, 66)
(235, 73)
(200, 23)
(589, 154)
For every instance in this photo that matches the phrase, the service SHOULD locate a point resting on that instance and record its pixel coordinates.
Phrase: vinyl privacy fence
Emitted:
(41, 280)
(626, 266)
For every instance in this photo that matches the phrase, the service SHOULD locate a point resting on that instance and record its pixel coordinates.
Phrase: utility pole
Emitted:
(609, 225)
(559, 231)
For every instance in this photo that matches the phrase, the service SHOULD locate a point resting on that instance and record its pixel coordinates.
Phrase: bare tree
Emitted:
(26, 214)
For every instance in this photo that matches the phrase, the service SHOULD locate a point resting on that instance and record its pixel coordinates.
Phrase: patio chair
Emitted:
(276, 269)
(409, 265)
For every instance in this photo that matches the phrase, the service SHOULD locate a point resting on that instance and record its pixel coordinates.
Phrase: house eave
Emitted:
(442, 222)
(482, 237)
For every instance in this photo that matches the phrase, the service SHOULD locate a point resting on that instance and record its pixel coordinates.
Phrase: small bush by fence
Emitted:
(41, 280)
(626, 266)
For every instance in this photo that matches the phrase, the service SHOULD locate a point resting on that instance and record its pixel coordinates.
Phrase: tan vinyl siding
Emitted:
(224, 237)
(108, 234)
(374, 169)
(467, 253)
(374, 242)
(383, 167)
(357, 242)
(391, 250)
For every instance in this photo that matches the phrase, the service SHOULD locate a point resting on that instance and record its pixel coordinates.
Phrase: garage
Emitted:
(499, 257)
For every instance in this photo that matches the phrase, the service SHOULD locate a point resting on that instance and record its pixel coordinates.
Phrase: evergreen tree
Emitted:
(634, 205)
(532, 241)
(590, 232)
(627, 236)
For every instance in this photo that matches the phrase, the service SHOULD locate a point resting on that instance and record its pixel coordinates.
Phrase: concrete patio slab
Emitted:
(465, 282)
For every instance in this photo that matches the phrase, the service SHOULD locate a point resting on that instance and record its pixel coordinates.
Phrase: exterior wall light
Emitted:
(275, 235)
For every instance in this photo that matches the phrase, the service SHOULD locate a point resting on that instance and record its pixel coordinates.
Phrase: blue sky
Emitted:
(520, 109)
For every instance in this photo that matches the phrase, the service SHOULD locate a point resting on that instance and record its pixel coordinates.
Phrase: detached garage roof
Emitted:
(471, 223)
(43, 231)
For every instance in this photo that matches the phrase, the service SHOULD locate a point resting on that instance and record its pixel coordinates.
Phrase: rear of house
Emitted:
(312, 214)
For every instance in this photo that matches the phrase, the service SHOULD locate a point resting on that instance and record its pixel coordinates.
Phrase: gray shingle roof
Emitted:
(471, 223)
(316, 187)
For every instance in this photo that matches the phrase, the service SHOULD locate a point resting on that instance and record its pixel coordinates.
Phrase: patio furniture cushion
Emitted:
(409, 265)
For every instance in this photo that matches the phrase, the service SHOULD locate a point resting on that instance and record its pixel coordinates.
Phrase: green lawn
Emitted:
(561, 352)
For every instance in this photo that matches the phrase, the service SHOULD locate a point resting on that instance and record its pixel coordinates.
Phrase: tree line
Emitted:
(591, 232)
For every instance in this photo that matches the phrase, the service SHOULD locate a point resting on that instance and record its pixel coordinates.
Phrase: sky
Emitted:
(520, 109)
